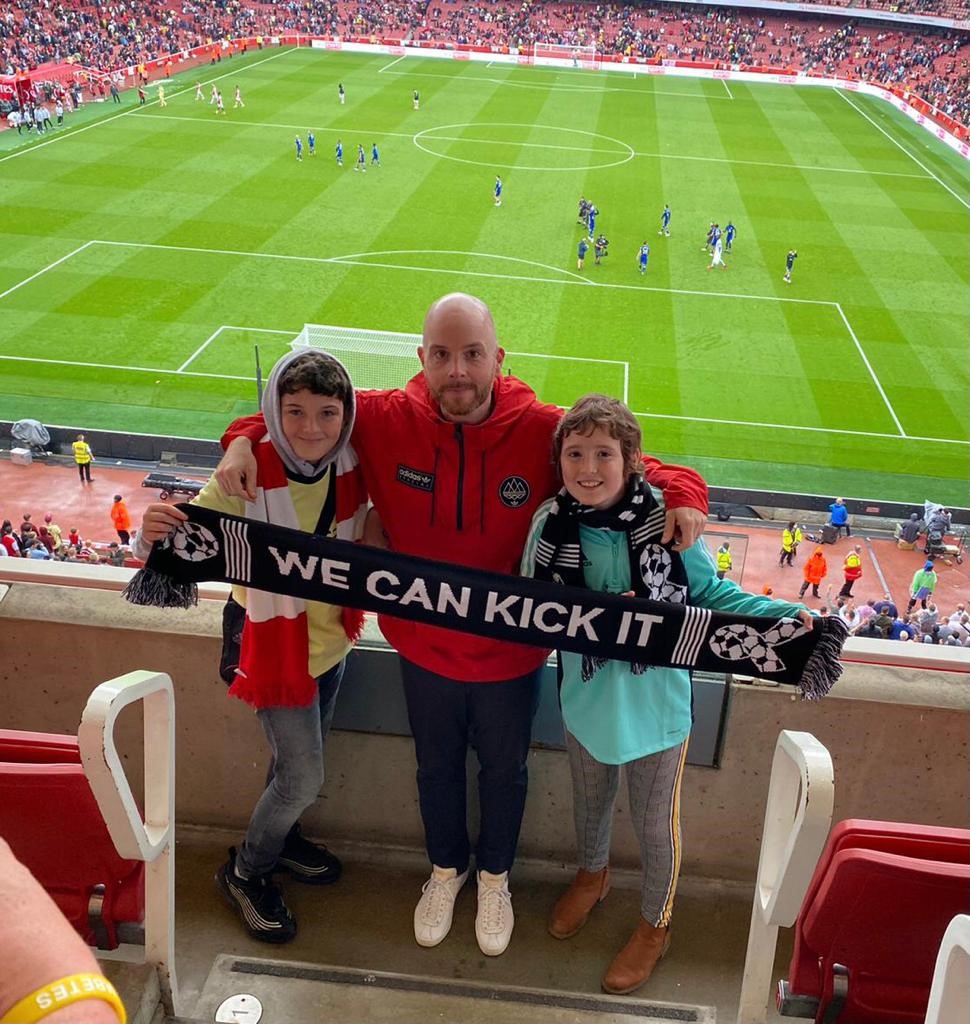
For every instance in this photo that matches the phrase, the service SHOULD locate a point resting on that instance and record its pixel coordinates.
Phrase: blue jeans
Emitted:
(446, 717)
(297, 737)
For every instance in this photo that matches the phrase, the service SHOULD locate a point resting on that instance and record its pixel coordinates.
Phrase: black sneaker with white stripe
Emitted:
(307, 862)
(258, 902)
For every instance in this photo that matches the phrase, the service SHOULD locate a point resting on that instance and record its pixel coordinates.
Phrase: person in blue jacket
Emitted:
(615, 713)
(839, 517)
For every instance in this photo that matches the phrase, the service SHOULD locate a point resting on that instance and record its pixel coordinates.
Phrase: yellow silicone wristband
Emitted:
(61, 993)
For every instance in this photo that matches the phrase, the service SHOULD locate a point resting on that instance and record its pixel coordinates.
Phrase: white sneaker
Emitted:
(435, 909)
(495, 920)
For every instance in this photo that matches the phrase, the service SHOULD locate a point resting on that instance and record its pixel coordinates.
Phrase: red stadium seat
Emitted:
(872, 920)
(49, 817)
(38, 748)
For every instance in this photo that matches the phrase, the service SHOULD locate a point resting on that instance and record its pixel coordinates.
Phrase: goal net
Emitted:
(387, 359)
(564, 55)
(374, 359)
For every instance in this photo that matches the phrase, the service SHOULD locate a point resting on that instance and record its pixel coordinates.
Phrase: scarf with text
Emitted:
(656, 574)
(214, 546)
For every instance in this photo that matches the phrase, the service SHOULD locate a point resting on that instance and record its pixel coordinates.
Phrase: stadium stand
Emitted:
(933, 63)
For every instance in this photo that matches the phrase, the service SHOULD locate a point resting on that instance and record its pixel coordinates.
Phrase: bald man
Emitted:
(456, 463)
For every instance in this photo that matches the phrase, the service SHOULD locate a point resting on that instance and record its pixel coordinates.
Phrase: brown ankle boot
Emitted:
(574, 906)
(635, 962)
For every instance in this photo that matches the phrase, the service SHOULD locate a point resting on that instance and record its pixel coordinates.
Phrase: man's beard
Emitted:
(464, 401)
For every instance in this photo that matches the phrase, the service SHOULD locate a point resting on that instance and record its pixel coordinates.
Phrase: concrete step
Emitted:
(290, 991)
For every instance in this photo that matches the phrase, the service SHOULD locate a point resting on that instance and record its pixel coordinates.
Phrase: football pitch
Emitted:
(146, 252)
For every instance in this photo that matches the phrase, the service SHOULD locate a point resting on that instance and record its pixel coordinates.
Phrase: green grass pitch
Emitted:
(145, 252)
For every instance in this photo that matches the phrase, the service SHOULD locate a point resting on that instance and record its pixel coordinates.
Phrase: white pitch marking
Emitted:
(644, 415)
(50, 266)
(872, 372)
(726, 86)
(898, 144)
(586, 282)
(789, 426)
(524, 145)
(134, 110)
(425, 134)
(205, 344)
(393, 62)
(236, 123)
(342, 261)
(115, 366)
(417, 338)
(787, 167)
(264, 330)
(462, 252)
(352, 261)
(555, 86)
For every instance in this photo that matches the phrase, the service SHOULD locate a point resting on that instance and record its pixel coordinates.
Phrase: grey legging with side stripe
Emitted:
(654, 785)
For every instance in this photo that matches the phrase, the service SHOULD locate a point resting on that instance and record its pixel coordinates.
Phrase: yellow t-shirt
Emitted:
(328, 641)
(82, 452)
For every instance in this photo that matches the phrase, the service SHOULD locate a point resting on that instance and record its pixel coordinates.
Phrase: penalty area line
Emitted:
(205, 344)
(43, 270)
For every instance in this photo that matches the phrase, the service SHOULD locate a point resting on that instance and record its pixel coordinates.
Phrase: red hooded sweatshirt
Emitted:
(465, 493)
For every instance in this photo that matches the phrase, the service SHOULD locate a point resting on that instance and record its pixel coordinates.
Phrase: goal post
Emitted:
(564, 55)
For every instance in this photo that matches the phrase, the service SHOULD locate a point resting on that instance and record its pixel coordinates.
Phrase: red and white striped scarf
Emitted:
(274, 657)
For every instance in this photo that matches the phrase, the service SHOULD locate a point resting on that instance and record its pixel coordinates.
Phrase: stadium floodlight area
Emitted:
(566, 55)
(388, 359)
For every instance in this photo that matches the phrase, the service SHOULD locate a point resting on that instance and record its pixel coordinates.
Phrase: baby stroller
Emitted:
(937, 547)
(937, 527)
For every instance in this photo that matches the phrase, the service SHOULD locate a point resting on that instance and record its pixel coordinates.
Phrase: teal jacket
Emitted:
(617, 716)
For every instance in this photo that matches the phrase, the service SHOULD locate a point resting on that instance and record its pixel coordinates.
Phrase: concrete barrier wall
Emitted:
(898, 737)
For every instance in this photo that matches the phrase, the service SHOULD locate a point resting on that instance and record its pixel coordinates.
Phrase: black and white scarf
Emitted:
(656, 573)
(667, 633)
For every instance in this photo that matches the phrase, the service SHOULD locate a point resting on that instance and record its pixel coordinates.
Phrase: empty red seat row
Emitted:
(872, 921)
(52, 822)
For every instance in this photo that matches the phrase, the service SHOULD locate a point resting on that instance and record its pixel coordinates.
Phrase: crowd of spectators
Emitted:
(47, 541)
(956, 9)
(934, 63)
(884, 620)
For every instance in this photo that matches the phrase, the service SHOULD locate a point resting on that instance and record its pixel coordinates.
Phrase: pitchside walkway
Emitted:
(42, 487)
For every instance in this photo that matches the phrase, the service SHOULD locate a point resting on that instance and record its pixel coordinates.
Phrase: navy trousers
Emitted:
(446, 717)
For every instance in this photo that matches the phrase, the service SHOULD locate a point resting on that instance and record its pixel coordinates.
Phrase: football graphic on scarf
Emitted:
(743, 643)
(738, 643)
(655, 570)
(194, 543)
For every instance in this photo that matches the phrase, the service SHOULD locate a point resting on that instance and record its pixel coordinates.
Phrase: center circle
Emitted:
(542, 138)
